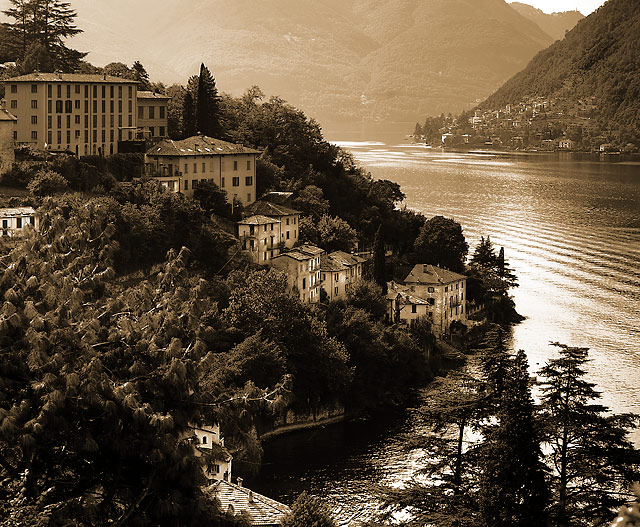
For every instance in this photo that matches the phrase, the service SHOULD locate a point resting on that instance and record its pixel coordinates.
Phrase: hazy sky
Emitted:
(550, 6)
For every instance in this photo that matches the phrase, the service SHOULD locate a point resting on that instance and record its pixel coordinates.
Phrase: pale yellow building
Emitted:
(302, 267)
(260, 238)
(182, 165)
(8, 123)
(438, 294)
(85, 114)
(289, 219)
(152, 115)
(339, 270)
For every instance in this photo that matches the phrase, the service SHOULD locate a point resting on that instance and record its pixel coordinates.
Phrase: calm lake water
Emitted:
(570, 226)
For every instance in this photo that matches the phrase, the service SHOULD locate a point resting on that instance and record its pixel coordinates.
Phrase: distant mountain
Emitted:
(554, 24)
(599, 58)
(371, 60)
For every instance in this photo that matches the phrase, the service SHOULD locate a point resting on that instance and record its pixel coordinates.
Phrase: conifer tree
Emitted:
(484, 255)
(140, 74)
(379, 263)
(207, 104)
(513, 489)
(593, 461)
(189, 127)
(45, 24)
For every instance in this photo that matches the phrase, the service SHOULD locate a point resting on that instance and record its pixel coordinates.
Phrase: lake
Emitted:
(570, 226)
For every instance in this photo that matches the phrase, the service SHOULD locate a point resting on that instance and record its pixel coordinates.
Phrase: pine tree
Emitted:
(484, 255)
(140, 74)
(504, 271)
(189, 126)
(44, 23)
(512, 486)
(379, 263)
(207, 104)
(592, 459)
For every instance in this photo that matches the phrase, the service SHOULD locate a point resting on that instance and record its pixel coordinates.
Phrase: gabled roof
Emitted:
(258, 220)
(430, 274)
(7, 116)
(267, 208)
(198, 145)
(151, 95)
(263, 511)
(70, 77)
(403, 294)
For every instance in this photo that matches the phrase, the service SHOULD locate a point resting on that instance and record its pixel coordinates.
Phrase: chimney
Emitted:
(250, 496)
(240, 482)
(104, 76)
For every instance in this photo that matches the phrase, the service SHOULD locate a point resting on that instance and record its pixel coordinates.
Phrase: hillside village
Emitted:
(77, 115)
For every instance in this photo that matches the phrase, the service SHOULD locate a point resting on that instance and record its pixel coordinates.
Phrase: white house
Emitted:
(302, 267)
(15, 221)
(209, 447)
(339, 270)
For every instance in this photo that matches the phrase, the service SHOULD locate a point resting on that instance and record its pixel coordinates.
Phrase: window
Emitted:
(14, 88)
(49, 122)
(119, 106)
(161, 110)
(68, 91)
(462, 285)
(414, 308)
(152, 112)
(235, 165)
(430, 289)
(186, 168)
(248, 165)
(304, 283)
(336, 291)
(111, 106)
(461, 296)
(186, 184)
(431, 301)
(195, 168)
(86, 91)
(130, 92)
(104, 121)
(86, 136)
(111, 91)
(152, 132)
(86, 121)
(222, 183)
(265, 256)
(34, 135)
(15, 135)
(249, 201)
(77, 89)
(59, 106)
(204, 166)
(194, 184)
(49, 106)
(77, 134)
(34, 103)
(95, 92)
(68, 121)
(336, 277)
(104, 106)
(295, 233)
(236, 182)
(446, 289)
(104, 136)
(287, 235)
(77, 104)
(59, 121)
(59, 91)
(141, 112)
(287, 220)
(111, 120)
(120, 92)
(130, 106)
(18, 223)
(95, 106)
(68, 106)
(111, 135)
(49, 90)
(14, 103)
(34, 119)
(129, 121)
(104, 91)
(248, 181)
(68, 136)
(34, 88)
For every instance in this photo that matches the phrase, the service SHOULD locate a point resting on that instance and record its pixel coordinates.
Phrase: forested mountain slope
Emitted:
(554, 24)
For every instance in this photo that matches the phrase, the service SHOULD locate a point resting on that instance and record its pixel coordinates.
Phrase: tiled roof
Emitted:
(261, 510)
(258, 220)
(310, 249)
(70, 77)
(406, 297)
(151, 95)
(17, 211)
(296, 255)
(430, 274)
(266, 208)
(6, 116)
(198, 145)
(340, 261)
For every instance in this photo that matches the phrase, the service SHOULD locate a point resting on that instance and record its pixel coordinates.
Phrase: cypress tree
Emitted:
(379, 263)
(207, 104)
(188, 116)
